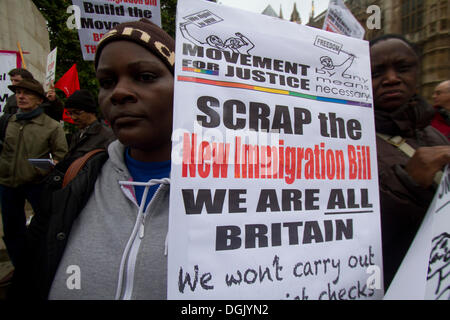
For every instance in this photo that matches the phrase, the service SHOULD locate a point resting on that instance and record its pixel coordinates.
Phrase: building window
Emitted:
(412, 16)
(444, 19)
(443, 10)
(432, 27)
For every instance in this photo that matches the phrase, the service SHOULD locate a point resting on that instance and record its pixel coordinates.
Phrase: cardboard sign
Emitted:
(274, 190)
(51, 69)
(97, 17)
(339, 19)
(424, 272)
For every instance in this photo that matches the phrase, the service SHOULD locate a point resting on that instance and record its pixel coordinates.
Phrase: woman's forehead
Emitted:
(392, 49)
(123, 51)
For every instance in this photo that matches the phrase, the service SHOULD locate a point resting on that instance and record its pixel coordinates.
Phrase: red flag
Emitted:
(69, 81)
(69, 84)
(66, 117)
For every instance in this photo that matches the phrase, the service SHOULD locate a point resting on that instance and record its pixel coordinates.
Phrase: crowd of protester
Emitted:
(89, 219)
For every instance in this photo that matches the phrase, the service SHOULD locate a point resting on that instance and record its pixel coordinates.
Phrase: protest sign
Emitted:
(274, 190)
(339, 19)
(51, 69)
(97, 17)
(8, 60)
(424, 272)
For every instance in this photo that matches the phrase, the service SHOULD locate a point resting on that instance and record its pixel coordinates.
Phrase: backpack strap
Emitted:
(401, 144)
(77, 165)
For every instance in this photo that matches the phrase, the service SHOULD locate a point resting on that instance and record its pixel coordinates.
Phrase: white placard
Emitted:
(424, 272)
(274, 184)
(8, 61)
(339, 19)
(51, 69)
(99, 16)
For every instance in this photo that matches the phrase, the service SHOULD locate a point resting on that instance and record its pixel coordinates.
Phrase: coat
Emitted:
(441, 122)
(11, 105)
(25, 139)
(96, 136)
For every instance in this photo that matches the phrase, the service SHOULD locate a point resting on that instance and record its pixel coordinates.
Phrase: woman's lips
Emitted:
(126, 120)
(392, 94)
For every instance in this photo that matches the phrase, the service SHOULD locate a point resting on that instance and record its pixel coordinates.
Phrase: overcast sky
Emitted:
(303, 6)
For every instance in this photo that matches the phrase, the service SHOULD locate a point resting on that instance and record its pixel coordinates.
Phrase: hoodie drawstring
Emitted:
(137, 225)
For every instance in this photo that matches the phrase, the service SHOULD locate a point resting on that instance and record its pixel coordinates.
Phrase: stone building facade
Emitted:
(426, 23)
(21, 21)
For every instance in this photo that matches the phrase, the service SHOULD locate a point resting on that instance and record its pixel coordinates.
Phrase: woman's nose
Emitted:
(123, 93)
(391, 76)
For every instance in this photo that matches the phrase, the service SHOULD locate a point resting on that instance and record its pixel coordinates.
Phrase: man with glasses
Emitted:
(81, 107)
(441, 103)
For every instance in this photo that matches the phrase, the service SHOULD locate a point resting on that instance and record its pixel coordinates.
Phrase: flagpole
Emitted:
(21, 55)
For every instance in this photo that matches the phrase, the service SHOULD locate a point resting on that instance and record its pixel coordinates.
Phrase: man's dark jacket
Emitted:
(96, 136)
(403, 203)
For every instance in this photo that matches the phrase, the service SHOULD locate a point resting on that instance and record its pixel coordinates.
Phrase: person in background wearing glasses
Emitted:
(81, 107)
(441, 103)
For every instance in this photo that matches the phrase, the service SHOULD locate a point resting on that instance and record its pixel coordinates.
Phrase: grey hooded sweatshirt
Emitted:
(115, 249)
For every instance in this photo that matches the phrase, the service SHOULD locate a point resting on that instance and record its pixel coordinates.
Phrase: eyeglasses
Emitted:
(75, 113)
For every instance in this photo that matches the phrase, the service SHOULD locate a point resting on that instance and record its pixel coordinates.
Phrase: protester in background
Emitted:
(29, 134)
(441, 97)
(15, 75)
(406, 182)
(102, 222)
(52, 106)
(92, 134)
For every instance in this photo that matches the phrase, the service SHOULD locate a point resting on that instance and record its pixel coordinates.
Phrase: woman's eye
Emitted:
(404, 68)
(147, 76)
(376, 73)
